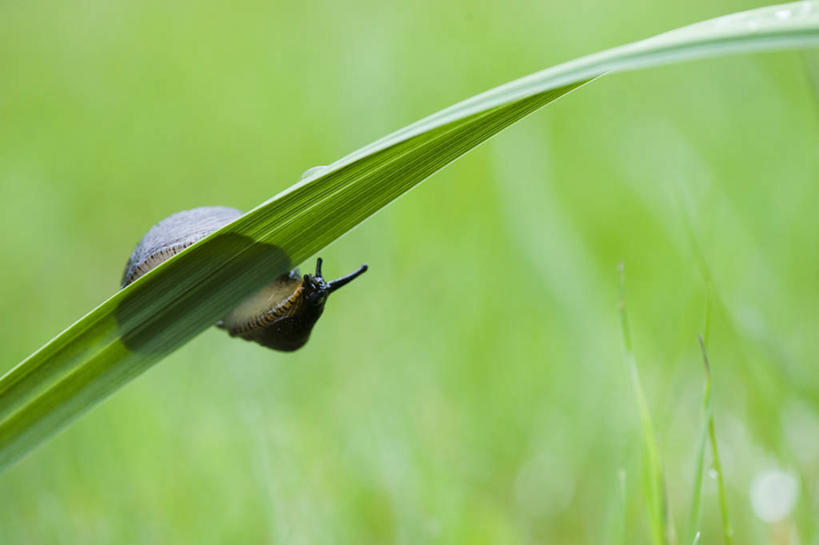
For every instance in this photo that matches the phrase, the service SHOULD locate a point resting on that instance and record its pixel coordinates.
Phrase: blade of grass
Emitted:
(150, 325)
(699, 469)
(170, 305)
(695, 510)
(727, 529)
(654, 482)
(694, 534)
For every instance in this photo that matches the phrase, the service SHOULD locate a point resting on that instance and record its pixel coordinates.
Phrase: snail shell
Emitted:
(280, 316)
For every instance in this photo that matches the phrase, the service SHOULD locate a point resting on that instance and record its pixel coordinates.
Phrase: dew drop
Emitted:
(311, 171)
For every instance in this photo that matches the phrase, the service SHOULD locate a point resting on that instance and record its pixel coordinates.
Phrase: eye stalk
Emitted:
(316, 289)
(344, 280)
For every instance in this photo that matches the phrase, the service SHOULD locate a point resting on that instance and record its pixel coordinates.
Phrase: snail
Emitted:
(280, 316)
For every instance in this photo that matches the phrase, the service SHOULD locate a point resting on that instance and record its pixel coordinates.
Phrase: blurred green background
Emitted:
(470, 388)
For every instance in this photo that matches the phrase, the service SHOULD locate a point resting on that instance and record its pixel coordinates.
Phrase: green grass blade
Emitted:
(191, 291)
(727, 529)
(699, 468)
(654, 482)
(167, 307)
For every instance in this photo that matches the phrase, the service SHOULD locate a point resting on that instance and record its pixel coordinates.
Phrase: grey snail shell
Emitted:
(281, 316)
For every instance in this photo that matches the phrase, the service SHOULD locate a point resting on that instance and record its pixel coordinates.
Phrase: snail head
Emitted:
(316, 289)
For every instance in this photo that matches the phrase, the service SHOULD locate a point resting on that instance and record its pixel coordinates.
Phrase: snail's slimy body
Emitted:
(280, 316)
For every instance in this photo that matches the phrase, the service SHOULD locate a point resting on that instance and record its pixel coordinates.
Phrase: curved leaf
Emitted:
(170, 305)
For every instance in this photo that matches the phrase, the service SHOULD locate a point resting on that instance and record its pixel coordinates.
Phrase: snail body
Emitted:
(281, 316)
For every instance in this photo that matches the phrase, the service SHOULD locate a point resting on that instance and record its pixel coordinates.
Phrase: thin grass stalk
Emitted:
(727, 528)
(695, 511)
(654, 482)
